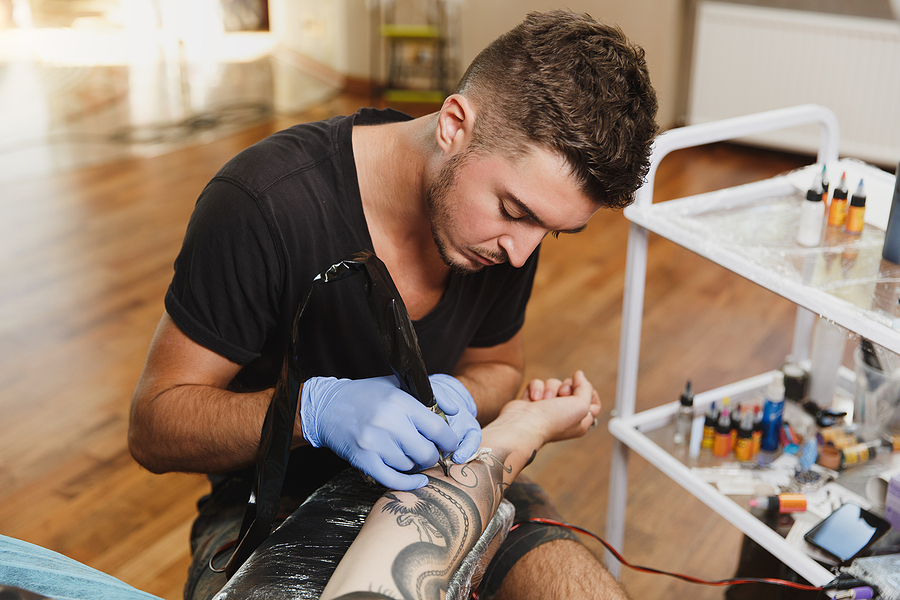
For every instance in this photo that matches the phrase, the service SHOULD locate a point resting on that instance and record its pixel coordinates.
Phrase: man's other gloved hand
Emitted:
(375, 426)
(459, 406)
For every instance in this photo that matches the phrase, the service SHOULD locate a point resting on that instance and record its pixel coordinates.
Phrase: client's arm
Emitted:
(412, 542)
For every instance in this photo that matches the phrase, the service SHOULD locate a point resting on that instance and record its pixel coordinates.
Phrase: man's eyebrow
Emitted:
(524, 208)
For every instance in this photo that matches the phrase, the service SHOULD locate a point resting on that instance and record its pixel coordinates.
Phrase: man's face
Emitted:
(486, 209)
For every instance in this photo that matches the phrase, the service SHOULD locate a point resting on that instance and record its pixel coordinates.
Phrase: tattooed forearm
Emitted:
(447, 516)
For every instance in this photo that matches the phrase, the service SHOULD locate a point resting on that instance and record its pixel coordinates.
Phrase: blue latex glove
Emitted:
(459, 406)
(375, 426)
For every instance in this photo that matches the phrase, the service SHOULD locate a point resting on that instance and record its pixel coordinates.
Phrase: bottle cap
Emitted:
(859, 198)
(863, 593)
(840, 192)
(687, 396)
(775, 393)
(814, 195)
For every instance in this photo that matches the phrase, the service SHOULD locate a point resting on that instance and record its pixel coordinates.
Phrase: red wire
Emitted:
(621, 559)
(688, 578)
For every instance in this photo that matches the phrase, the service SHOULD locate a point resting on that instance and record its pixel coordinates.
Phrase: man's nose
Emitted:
(519, 246)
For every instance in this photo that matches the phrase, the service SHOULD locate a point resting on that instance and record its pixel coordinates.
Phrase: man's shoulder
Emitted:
(319, 150)
(302, 148)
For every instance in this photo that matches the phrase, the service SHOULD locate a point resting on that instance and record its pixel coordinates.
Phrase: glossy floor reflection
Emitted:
(76, 97)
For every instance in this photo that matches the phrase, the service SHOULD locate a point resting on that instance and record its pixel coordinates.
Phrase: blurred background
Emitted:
(86, 81)
(115, 113)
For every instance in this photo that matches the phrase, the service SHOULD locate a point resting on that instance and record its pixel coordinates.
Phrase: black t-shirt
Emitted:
(278, 214)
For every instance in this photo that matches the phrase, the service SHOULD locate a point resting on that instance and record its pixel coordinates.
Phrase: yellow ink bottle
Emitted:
(837, 212)
(857, 211)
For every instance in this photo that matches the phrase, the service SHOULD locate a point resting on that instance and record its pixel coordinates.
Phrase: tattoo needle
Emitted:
(444, 456)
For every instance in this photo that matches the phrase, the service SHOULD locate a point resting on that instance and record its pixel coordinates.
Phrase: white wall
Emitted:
(653, 24)
(337, 33)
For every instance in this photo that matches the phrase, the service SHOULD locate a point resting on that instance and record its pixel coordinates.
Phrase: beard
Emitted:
(440, 211)
(437, 197)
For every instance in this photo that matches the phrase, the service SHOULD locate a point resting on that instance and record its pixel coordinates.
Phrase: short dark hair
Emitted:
(564, 82)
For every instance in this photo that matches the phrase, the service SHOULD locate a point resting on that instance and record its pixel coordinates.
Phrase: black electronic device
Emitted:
(846, 532)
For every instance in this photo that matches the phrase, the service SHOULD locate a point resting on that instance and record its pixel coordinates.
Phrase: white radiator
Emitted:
(749, 59)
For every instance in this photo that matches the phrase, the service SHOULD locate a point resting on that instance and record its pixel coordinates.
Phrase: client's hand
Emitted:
(539, 389)
(554, 418)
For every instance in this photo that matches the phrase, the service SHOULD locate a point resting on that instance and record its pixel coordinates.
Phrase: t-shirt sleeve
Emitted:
(507, 313)
(224, 293)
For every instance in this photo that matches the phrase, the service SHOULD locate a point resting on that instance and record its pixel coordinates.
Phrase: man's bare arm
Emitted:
(182, 416)
(492, 375)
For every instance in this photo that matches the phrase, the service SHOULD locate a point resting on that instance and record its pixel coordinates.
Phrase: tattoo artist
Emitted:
(551, 122)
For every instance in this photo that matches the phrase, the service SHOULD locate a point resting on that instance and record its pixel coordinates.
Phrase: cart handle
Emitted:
(727, 129)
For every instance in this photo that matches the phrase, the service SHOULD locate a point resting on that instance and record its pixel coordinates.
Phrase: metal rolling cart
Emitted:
(681, 221)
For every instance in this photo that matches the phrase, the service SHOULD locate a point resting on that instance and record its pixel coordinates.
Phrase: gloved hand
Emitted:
(375, 426)
(459, 406)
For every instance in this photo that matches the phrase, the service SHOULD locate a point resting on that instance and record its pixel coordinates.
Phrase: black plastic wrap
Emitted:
(401, 345)
(296, 561)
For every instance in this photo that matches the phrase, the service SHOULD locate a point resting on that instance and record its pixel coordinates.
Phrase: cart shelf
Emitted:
(750, 230)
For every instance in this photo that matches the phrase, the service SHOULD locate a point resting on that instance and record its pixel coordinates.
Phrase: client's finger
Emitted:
(566, 388)
(534, 390)
(581, 386)
(551, 388)
(588, 422)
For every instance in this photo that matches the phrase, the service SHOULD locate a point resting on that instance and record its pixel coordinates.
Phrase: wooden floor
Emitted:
(85, 259)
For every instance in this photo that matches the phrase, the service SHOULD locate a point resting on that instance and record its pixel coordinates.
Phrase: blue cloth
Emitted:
(45, 572)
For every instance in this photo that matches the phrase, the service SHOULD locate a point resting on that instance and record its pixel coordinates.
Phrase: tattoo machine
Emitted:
(404, 356)
(395, 328)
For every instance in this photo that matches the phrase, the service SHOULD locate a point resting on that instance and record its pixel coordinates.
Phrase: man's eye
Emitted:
(506, 215)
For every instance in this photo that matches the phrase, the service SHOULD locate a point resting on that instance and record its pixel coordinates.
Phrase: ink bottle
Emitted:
(684, 416)
(812, 214)
(743, 447)
(837, 211)
(859, 453)
(709, 427)
(857, 211)
(796, 380)
(773, 412)
(735, 424)
(722, 443)
(836, 459)
(756, 434)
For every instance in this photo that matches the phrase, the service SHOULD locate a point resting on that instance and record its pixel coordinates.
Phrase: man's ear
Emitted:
(455, 124)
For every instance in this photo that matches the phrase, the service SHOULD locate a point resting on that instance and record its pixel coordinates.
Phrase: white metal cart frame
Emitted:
(627, 426)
